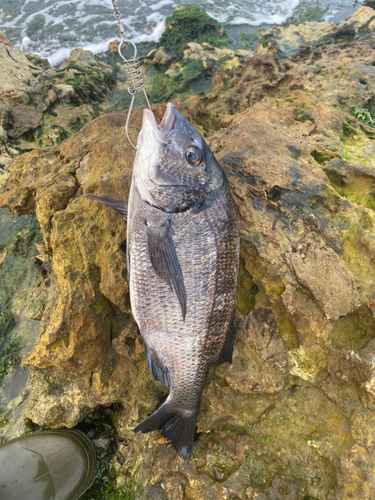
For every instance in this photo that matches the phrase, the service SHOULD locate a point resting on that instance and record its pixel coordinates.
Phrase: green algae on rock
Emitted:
(22, 285)
(189, 53)
(9, 350)
(307, 12)
(190, 23)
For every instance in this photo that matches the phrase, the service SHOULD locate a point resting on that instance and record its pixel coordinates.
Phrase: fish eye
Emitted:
(194, 156)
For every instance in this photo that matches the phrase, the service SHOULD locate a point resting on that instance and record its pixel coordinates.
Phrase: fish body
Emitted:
(183, 254)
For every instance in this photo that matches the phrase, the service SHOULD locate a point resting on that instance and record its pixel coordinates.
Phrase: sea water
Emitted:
(52, 28)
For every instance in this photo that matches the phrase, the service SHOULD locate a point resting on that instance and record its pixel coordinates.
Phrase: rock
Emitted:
(189, 23)
(161, 58)
(319, 269)
(36, 98)
(3, 180)
(339, 86)
(206, 52)
(21, 283)
(194, 42)
(287, 41)
(23, 118)
(243, 54)
(261, 363)
(194, 68)
(18, 73)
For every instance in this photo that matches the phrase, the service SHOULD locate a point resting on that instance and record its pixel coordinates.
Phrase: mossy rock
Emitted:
(307, 13)
(9, 349)
(189, 23)
(6, 321)
(355, 330)
(17, 269)
(18, 263)
(164, 89)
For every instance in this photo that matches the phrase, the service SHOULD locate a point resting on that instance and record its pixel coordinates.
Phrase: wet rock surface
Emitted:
(41, 105)
(293, 416)
(286, 41)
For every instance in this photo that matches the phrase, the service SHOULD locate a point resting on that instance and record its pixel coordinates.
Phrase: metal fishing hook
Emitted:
(136, 83)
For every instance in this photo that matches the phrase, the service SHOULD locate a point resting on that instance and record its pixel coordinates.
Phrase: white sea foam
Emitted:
(25, 42)
(155, 17)
(153, 36)
(271, 12)
(57, 57)
(162, 3)
(62, 54)
(331, 15)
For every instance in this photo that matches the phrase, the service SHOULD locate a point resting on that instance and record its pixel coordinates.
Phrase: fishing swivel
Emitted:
(135, 82)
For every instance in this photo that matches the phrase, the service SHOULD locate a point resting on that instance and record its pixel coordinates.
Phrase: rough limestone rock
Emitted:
(317, 263)
(191, 69)
(293, 416)
(161, 57)
(286, 41)
(41, 105)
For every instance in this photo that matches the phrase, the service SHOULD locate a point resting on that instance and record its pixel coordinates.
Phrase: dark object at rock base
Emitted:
(50, 465)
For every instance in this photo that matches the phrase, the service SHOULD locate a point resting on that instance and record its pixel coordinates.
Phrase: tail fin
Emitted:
(177, 429)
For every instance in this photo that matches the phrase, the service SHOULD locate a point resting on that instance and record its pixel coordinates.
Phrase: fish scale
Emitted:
(166, 335)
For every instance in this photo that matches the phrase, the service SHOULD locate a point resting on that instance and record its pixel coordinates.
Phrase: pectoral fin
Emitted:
(119, 206)
(164, 259)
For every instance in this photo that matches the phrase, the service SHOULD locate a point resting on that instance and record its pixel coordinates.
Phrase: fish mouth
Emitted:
(152, 132)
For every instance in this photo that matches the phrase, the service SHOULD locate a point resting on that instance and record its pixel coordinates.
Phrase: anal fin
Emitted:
(155, 369)
(227, 352)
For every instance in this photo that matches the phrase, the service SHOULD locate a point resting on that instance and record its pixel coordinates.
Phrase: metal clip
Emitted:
(132, 67)
(136, 83)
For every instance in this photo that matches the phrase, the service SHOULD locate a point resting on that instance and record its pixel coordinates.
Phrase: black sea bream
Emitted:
(183, 254)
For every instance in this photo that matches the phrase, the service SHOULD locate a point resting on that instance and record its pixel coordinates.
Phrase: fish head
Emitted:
(174, 168)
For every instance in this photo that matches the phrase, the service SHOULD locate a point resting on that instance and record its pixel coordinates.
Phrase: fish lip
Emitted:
(150, 131)
(169, 120)
(149, 120)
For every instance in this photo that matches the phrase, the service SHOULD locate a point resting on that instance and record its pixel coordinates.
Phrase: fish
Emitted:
(183, 261)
